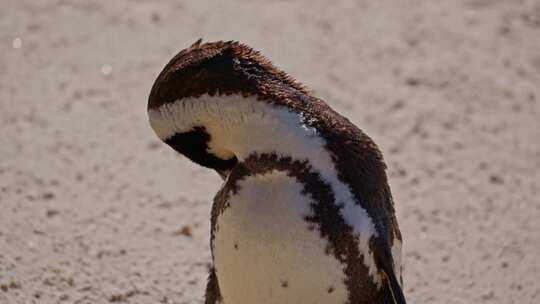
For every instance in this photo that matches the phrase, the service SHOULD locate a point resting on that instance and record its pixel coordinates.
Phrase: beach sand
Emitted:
(95, 209)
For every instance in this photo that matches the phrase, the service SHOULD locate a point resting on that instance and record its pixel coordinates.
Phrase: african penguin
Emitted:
(305, 214)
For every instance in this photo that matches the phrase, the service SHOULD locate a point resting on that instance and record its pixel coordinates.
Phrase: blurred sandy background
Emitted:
(94, 209)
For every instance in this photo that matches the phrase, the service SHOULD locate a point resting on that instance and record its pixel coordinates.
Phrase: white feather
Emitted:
(396, 255)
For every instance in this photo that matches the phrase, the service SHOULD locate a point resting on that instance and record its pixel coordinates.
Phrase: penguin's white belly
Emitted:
(266, 252)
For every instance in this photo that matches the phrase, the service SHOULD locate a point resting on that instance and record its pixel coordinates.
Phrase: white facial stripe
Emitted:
(261, 250)
(243, 125)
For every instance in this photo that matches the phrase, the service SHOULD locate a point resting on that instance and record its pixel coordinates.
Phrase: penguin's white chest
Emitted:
(265, 251)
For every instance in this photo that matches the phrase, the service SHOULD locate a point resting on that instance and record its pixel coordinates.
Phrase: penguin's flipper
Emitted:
(391, 290)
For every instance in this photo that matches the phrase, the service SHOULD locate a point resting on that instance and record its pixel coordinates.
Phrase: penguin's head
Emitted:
(202, 71)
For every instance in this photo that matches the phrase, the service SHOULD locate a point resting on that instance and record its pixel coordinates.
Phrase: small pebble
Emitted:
(17, 43)
(185, 231)
(106, 69)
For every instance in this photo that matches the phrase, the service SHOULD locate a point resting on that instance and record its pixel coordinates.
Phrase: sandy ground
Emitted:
(94, 209)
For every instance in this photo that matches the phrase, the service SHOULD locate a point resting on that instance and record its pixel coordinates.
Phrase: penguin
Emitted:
(305, 213)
